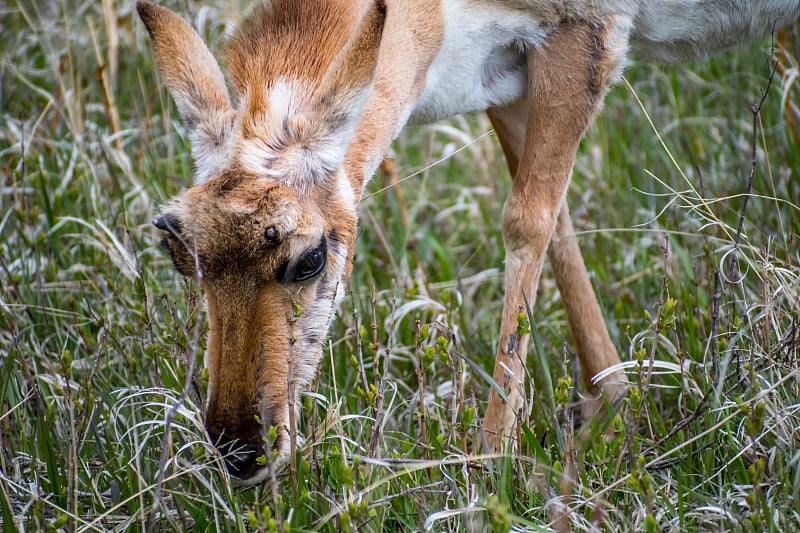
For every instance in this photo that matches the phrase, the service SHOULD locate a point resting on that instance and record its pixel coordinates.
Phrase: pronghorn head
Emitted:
(269, 226)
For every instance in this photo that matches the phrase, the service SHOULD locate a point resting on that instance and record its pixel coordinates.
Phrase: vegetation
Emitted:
(686, 194)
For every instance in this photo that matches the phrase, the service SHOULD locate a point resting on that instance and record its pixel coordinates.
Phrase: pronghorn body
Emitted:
(322, 89)
(481, 62)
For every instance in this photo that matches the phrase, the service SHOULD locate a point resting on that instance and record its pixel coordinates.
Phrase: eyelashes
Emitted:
(311, 263)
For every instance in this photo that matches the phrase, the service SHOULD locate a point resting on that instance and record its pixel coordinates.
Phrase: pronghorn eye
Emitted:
(311, 263)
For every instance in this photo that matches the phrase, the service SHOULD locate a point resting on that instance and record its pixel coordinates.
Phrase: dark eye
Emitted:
(311, 263)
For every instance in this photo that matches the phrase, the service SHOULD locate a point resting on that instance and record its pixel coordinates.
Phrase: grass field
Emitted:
(688, 207)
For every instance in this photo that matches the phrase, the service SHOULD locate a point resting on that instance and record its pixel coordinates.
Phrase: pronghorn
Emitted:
(322, 88)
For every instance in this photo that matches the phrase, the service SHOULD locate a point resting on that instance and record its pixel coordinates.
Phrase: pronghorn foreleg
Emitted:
(593, 344)
(567, 79)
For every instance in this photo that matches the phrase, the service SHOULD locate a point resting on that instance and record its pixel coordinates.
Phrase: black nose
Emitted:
(168, 223)
(241, 458)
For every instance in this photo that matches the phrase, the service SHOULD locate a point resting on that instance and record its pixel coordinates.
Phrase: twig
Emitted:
(379, 411)
(192, 349)
(173, 411)
(772, 68)
(683, 423)
(359, 348)
(291, 394)
(421, 381)
(718, 290)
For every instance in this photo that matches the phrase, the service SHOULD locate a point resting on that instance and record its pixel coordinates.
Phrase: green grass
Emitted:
(101, 425)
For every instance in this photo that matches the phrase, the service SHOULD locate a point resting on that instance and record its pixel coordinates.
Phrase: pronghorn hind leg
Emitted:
(596, 351)
(567, 80)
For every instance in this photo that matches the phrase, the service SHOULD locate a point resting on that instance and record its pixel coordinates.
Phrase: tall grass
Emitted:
(687, 201)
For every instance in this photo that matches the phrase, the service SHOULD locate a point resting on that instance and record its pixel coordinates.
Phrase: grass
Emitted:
(696, 269)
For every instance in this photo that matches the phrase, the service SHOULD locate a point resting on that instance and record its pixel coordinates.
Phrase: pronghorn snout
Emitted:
(167, 223)
(244, 457)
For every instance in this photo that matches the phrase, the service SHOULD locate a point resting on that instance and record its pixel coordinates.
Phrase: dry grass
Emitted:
(689, 220)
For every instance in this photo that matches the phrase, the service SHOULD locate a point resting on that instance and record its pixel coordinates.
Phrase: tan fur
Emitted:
(412, 37)
(567, 81)
(594, 347)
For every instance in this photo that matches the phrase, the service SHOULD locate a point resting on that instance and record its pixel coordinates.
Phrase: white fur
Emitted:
(286, 98)
(479, 66)
(345, 190)
(480, 63)
(212, 141)
(294, 165)
(289, 147)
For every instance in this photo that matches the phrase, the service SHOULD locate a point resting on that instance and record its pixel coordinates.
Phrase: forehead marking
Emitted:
(286, 98)
(294, 140)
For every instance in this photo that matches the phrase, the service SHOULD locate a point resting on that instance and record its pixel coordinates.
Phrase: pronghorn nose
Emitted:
(241, 458)
(167, 223)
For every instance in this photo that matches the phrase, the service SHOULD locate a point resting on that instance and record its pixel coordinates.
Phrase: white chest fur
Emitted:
(480, 64)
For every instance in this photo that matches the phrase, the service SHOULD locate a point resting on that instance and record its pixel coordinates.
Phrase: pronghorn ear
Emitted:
(345, 90)
(195, 82)
(355, 66)
(187, 67)
(347, 86)
(348, 83)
